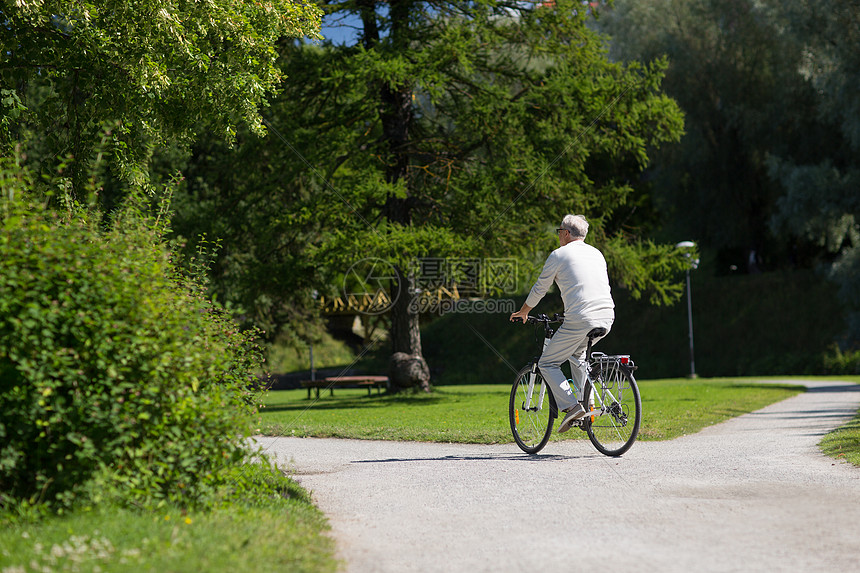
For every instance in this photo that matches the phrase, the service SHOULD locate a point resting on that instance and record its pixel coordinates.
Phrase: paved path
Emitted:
(750, 494)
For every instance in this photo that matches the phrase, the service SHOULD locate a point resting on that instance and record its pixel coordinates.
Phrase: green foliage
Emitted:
(820, 206)
(11, 110)
(118, 379)
(262, 271)
(328, 353)
(734, 73)
(835, 361)
(452, 129)
(768, 165)
(646, 267)
(150, 70)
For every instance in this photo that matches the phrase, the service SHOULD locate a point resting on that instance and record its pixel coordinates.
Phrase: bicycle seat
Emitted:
(596, 333)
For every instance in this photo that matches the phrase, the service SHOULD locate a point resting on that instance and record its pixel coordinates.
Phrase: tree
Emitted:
(146, 71)
(820, 204)
(248, 207)
(456, 129)
(768, 163)
(733, 71)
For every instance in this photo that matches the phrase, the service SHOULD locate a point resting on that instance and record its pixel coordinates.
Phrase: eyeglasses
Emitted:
(560, 230)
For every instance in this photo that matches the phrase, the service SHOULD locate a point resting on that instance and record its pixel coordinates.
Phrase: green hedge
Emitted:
(776, 323)
(117, 377)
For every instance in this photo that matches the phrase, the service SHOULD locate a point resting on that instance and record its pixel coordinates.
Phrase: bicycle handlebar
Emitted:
(542, 318)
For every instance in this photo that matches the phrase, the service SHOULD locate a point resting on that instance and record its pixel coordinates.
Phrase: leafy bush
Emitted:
(835, 361)
(118, 378)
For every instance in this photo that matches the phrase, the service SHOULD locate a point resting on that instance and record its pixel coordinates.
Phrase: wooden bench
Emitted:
(346, 381)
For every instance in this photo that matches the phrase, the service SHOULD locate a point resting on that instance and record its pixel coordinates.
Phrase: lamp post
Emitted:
(692, 264)
(315, 295)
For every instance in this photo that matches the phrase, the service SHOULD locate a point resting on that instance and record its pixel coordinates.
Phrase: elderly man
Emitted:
(580, 272)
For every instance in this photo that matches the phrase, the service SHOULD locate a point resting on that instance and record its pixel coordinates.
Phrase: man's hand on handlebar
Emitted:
(521, 315)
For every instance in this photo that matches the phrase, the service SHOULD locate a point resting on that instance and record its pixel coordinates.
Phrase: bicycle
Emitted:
(610, 395)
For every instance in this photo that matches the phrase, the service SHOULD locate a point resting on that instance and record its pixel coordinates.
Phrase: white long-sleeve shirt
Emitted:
(580, 272)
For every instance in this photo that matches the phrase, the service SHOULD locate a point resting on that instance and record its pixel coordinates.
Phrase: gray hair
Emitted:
(576, 224)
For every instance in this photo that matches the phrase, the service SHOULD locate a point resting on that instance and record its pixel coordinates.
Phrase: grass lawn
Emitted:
(286, 535)
(479, 413)
(844, 443)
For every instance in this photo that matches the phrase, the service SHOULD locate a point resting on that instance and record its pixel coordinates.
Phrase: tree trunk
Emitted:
(396, 115)
(408, 369)
(405, 332)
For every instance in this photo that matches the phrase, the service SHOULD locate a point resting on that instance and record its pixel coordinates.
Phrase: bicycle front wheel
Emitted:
(532, 411)
(615, 395)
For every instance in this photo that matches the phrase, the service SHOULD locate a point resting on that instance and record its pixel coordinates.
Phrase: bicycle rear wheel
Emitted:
(531, 415)
(614, 391)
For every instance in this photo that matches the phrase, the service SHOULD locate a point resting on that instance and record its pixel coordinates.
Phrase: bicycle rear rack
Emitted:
(609, 360)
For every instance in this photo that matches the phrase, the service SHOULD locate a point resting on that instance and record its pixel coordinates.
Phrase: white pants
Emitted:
(569, 341)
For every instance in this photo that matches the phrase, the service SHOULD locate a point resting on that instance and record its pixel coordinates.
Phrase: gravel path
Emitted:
(750, 494)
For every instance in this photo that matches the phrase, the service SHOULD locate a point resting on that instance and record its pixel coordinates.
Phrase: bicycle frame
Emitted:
(603, 392)
(527, 406)
(609, 394)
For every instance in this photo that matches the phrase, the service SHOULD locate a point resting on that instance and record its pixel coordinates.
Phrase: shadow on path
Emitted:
(537, 458)
(845, 387)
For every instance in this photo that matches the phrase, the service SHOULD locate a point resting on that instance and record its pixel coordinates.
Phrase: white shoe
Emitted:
(574, 413)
